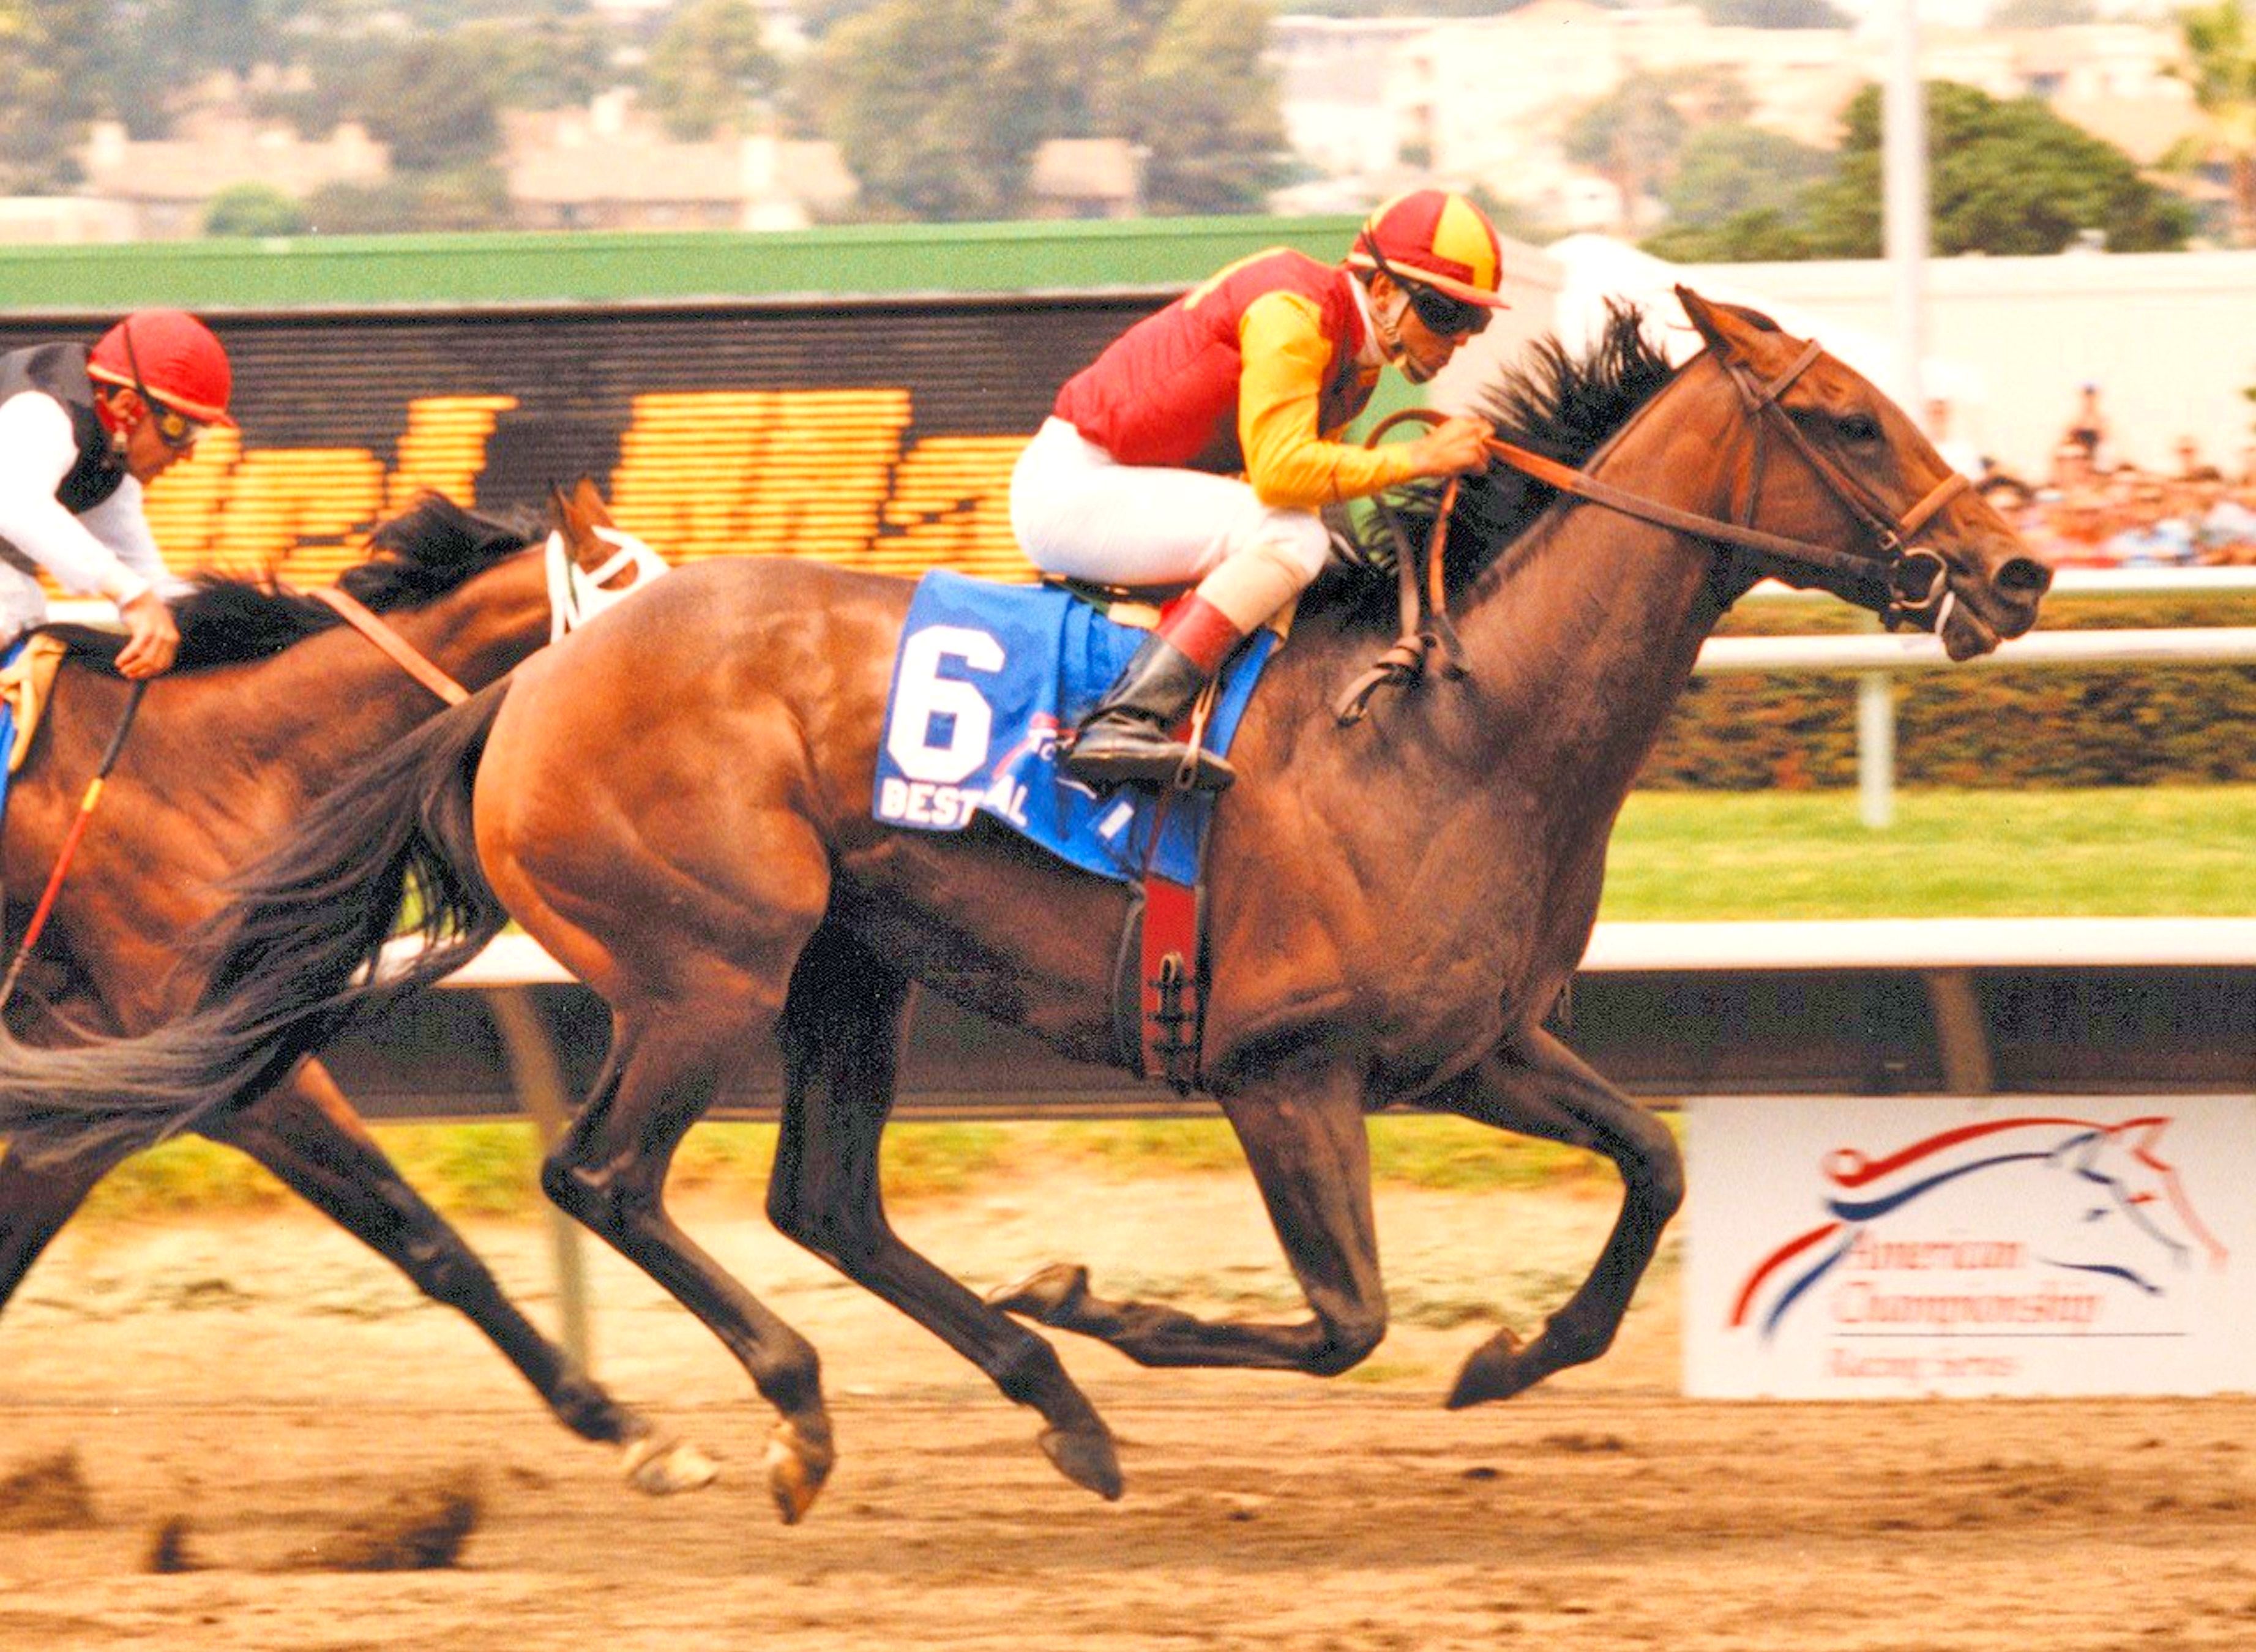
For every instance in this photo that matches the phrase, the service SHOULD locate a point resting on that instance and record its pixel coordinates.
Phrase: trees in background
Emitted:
(2221, 67)
(434, 99)
(709, 68)
(255, 209)
(47, 95)
(2004, 178)
(1630, 137)
(939, 105)
(1203, 104)
(933, 116)
(1736, 186)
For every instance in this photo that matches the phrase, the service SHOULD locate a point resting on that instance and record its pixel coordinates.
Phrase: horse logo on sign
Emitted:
(2029, 1223)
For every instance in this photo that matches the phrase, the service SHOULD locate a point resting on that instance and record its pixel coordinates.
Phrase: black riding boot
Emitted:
(1131, 735)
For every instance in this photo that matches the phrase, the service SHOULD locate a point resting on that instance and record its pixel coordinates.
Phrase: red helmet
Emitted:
(1438, 238)
(172, 357)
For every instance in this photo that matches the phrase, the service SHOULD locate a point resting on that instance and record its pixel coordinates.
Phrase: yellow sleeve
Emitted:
(1291, 464)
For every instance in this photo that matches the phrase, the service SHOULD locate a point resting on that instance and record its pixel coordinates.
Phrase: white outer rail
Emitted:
(1814, 943)
(1872, 651)
(1945, 951)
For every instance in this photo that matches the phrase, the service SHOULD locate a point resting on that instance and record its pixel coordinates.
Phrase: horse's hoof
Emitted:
(660, 1468)
(1498, 1369)
(1049, 1296)
(797, 1467)
(1086, 1457)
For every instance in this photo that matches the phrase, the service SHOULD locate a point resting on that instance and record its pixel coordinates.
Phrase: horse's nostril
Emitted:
(2025, 576)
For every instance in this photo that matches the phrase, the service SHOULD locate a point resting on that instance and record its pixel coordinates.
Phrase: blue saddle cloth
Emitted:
(986, 679)
(8, 722)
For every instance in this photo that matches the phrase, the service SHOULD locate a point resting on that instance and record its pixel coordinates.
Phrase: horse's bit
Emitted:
(1915, 580)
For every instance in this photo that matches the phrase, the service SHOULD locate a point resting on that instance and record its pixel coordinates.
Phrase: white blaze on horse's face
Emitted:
(576, 595)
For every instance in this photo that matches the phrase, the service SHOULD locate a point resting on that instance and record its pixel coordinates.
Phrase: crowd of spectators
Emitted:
(2091, 510)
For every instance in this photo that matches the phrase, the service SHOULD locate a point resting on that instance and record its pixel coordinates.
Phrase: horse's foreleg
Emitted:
(1537, 1086)
(308, 1135)
(840, 1036)
(610, 1173)
(1305, 1141)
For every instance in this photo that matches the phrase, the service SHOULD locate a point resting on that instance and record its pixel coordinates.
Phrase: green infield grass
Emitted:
(2149, 851)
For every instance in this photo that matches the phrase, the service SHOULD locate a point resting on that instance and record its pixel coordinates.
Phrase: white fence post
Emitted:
(1876, 749)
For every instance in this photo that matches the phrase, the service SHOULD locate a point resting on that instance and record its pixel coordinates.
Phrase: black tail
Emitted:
(293, 962)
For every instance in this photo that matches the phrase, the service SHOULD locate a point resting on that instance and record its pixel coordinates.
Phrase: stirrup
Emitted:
(1147, 757)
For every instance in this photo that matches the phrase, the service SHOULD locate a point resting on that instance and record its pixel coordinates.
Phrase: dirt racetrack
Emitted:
(252, 1396)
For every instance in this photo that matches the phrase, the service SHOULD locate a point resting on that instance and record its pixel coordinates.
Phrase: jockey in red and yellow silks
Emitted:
(1201, 444)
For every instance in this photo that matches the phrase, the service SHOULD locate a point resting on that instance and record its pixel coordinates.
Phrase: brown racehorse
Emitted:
(275, 700)
(677, 805)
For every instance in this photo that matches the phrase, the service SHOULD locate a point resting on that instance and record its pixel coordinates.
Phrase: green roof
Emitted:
(870, 260)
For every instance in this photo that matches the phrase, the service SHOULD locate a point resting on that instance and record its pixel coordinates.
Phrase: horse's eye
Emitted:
(1859, 427)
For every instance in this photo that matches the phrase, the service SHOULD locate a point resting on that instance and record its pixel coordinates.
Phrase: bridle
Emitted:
(575, 596)
(1913, 580)
(1916, 580)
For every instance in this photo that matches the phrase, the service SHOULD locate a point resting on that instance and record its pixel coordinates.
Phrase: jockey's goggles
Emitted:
(175, 429)
(1445, 317)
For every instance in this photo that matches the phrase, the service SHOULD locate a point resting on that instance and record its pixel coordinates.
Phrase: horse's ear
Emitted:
(1714, 325)
(589, 499)
(1729, 329)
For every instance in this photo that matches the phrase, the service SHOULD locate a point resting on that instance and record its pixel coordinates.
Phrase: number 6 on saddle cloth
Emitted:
(986, 680)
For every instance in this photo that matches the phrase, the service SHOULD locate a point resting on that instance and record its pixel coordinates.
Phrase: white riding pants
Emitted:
(1080, 512)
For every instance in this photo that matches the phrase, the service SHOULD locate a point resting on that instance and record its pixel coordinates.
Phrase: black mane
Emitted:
(415, 558)
(1563, 406)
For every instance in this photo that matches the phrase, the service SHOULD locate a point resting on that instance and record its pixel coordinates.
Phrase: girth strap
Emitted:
(402, 653)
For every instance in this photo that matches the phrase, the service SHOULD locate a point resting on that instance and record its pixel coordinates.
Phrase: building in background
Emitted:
(163, 185)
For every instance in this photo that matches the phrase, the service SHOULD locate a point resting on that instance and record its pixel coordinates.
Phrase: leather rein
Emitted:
(575, 596)
(1915, 580)
(402, 653)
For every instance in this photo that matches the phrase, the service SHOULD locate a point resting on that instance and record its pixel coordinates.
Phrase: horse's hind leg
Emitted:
(307, 1135)
(610, 1172)
(1304, 1140)
(840, 1036)
(34, 1205)
(1537, 1086)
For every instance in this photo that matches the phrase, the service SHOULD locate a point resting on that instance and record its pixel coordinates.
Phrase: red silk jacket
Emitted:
(1255, 371)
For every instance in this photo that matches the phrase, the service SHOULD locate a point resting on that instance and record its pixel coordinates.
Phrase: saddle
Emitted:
(26, 682)
(985, 679)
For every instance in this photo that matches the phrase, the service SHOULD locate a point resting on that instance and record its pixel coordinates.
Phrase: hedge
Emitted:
(1977, 726)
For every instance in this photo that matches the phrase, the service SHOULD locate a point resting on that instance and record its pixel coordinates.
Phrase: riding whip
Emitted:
(70, 845)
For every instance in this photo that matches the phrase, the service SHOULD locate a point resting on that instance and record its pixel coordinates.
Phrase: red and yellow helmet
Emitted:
(171, 357)
(1438, 238)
